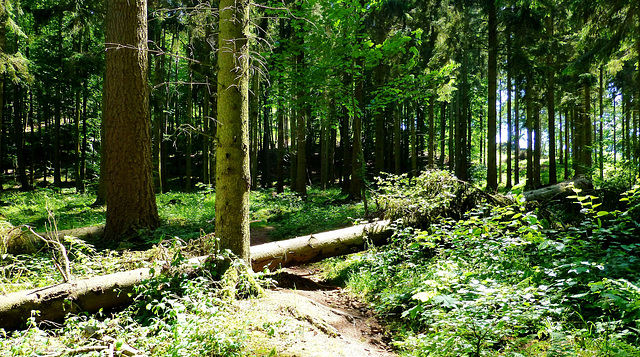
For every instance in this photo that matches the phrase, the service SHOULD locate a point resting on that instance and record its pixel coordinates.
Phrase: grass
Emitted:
(186, 215)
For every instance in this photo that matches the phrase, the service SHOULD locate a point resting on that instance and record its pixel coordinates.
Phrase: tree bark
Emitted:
(131, 200)
(233, 179)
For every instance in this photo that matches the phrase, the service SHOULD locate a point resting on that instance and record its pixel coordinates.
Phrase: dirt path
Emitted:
(302, 317)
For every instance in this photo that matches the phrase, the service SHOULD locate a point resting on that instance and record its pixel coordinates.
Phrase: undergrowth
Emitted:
(500, 281)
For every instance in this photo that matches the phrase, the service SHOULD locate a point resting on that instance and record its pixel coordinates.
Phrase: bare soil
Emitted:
(304, 317)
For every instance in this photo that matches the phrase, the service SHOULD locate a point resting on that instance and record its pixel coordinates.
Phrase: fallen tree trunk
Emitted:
(315, 247)
(16, 240)
(115, 290)
(561, 189)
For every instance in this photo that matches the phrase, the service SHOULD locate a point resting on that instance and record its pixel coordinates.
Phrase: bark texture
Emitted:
(233, 179)
(131, 200)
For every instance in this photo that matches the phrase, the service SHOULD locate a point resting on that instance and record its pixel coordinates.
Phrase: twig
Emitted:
(66, 271)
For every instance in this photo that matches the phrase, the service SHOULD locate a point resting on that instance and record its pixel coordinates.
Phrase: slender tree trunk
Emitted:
(397, 142)
(280, 165)
(3, 45)
(189, 150)
(516, 137)
(492, 178)
(529, 120)
(266, 141)
(601, 122)
(413, 142)
(537, 147)
(206, 139)
(18, 133)
(379, 123)
(83, 159)
(443, 129)
(233, 179)
(357, 160)
(254, 113)
(509, 121)
(77, 151)
(551, 111)
(432, 133)
(567, 131)
(131, 200)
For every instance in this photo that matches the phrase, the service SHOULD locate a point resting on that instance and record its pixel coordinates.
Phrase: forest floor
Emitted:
(305, 316)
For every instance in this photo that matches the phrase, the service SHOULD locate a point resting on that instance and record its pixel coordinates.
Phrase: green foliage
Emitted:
(424, 199)
(503, 281)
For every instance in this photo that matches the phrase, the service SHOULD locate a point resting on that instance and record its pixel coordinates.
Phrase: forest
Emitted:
(485, 153)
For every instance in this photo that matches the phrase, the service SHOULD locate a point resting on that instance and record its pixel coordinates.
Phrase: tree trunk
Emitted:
(189, 149)
(492, 178)
(431, 141)
(397, 142)
(443, 130)
(233, 179)
(516, 137)
(281, 129)
(551, 109)
(509, 116)
(131, 203)
(529, 120)
(3, 45)
(601, 122)
(19, 133)
(537, 147)
(379, 125)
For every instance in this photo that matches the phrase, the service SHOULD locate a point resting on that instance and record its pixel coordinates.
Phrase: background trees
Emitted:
(340, 91)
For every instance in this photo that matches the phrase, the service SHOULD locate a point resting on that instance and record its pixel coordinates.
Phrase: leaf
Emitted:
(446, 300)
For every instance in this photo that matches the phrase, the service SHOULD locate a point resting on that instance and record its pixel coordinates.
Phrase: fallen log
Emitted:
(16, 240)
(115, 290)
(561, 189)
(315, 247)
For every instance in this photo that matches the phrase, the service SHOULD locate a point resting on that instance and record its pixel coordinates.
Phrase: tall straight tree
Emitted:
(551, 111)
(492, 178)
(131, 202)
(233, 179)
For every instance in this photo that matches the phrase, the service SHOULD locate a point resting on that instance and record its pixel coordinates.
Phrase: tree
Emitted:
(492, 179)
(233, 179)
(129, 182)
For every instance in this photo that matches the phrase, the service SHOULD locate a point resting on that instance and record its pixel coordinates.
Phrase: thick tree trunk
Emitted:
(115, 290)
(233, 179)
(131, 200)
